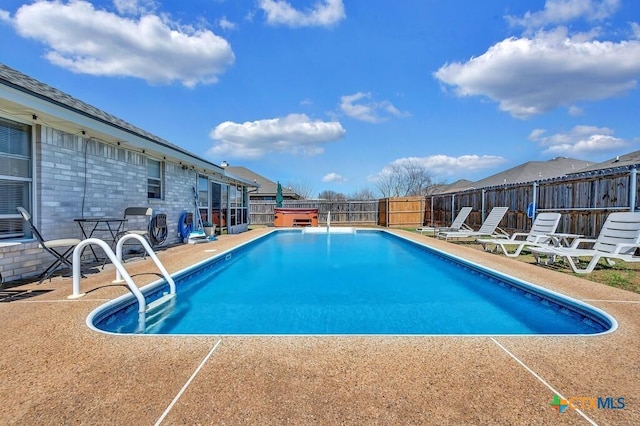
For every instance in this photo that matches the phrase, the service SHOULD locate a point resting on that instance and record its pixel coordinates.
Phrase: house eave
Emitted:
(24, 106)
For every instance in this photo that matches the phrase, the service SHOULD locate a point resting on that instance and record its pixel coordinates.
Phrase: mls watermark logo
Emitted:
(587, 403)
(559, 404)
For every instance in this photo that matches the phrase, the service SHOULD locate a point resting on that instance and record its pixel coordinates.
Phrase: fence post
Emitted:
(632, 189)
(431, 217)
(534, 197)
(387, 212)
(453, 206)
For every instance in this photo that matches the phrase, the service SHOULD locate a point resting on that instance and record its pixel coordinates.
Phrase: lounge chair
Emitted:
(489, 227)
(456, 225)
(544, 225)
(619, 239)
(53, 247)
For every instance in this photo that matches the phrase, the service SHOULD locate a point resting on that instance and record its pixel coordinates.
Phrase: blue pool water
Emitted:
(369, 282)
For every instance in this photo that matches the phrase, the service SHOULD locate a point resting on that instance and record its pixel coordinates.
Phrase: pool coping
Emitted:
(56, 370)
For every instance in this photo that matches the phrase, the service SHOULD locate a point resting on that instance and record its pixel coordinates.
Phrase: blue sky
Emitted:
(330, 93)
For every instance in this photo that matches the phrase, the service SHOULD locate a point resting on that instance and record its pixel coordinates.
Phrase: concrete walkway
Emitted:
(55, 370)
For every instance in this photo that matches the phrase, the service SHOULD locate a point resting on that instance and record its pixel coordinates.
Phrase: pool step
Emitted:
(158, 311)
(159, 302)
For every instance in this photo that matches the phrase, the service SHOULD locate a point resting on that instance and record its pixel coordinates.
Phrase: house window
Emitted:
(238, 201)
(218, 204)
(154, 178)
(203, 198)
(15, 176)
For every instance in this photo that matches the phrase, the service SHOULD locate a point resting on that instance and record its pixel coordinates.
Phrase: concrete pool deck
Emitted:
(55, 370)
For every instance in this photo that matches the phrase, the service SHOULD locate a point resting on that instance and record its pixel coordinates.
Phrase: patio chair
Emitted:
(456, 225)
(544, 225)
(140, 214)
(619, 239)
(489, 227)
(53, 247)
(136, 216)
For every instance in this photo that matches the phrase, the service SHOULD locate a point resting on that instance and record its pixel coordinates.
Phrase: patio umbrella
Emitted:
(279, 197)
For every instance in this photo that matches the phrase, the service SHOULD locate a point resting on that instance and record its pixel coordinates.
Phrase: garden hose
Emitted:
(158, 230)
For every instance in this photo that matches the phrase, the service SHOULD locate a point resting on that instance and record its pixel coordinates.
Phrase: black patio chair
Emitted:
(140, 218)
(143, 213)
(53, 247)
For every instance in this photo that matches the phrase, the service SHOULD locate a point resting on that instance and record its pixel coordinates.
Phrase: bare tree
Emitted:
(303, 189)
(363, 194)
(405, 178)
(331, 196)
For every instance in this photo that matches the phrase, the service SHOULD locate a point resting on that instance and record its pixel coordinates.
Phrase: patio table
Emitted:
(563, 239)
(108, 226)
(560, 239)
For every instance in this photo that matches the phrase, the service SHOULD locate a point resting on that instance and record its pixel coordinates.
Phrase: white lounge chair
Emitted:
(538, 236)
(489, 227)
(619, 239)
(456, 225)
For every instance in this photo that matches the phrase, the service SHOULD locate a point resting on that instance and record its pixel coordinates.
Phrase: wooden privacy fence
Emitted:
(584, 201)
(342, 212)
(402, 211)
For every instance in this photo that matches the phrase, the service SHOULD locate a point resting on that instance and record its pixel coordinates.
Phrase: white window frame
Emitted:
(28, 202)
(159, 181)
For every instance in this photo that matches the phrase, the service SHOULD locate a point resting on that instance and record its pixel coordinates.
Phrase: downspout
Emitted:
(633, 192)
(482, 208)
(228, 221)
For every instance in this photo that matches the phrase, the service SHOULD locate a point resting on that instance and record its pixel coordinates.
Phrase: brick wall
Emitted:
(78, 176)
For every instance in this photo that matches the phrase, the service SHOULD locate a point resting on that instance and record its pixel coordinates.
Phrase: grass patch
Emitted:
(622, 275)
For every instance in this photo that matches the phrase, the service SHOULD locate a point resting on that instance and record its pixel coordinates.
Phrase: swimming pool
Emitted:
(291, 282)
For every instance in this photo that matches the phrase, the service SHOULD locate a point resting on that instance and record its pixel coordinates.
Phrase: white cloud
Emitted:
(575, 111)
(444, 165)
(135, 7)
(323, 14)
(225, 24)
(530, 76)
(5, 16)
(371, 111)
(91, 41)
(333, 177)
(557, 12)
(581, 141)
(536, 134)
(293, 134)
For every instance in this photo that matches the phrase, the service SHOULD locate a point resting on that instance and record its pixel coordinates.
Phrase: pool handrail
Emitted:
(121, 272)
(111, 255)
(143, 241)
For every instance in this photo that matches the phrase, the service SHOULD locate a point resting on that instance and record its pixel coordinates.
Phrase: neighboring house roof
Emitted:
(32, 100)
(456, 186)
(531, 171)
(268, 188)
(628, 160)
